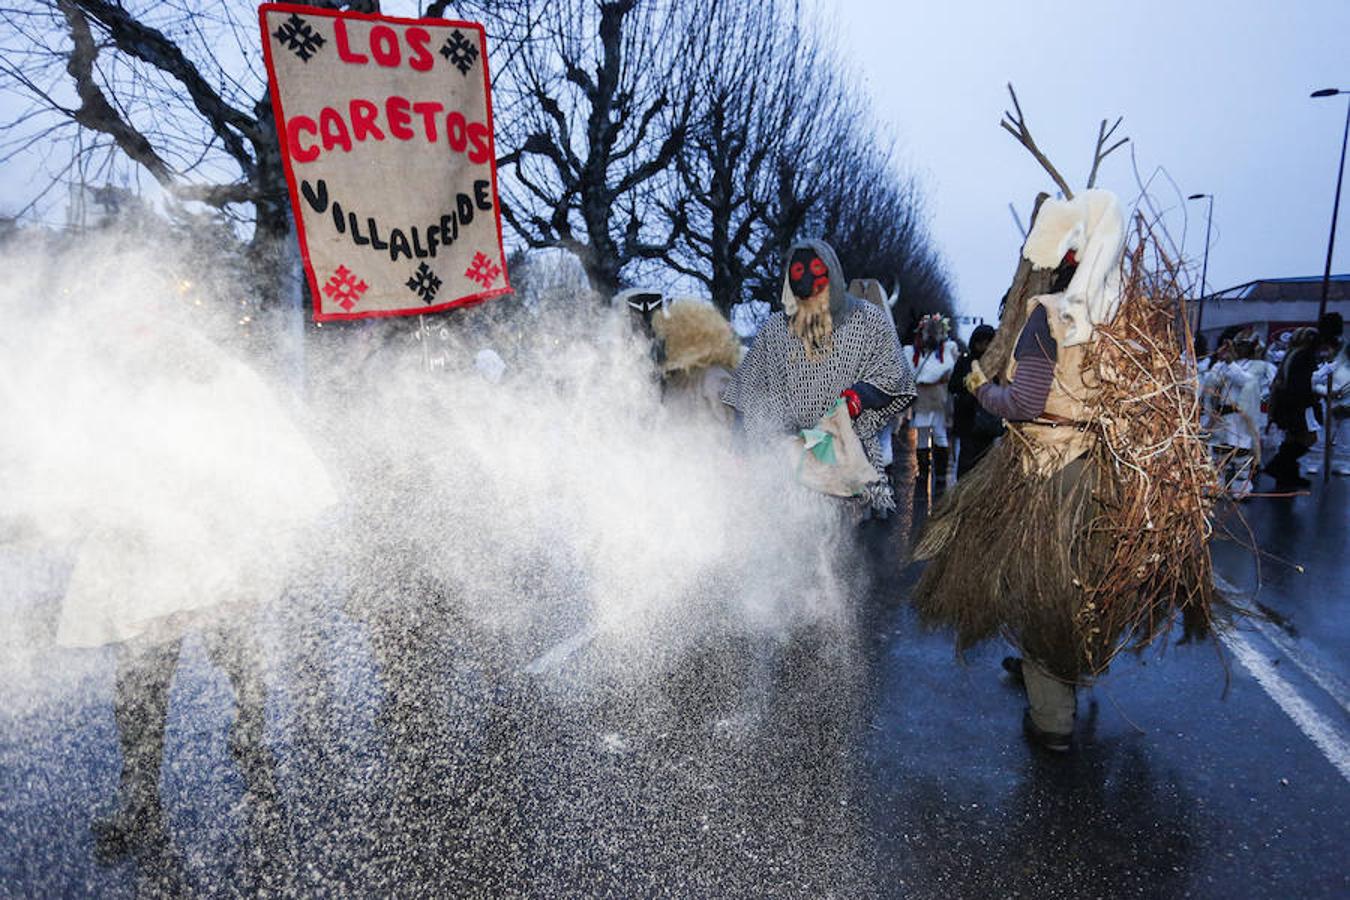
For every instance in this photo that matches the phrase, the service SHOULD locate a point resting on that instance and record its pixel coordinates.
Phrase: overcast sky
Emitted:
(1213, 91)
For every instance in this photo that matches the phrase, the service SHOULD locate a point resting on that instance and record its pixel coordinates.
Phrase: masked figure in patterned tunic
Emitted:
(823, 345)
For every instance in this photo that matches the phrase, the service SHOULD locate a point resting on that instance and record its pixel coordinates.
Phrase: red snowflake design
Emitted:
(345, 288)
(483, 270)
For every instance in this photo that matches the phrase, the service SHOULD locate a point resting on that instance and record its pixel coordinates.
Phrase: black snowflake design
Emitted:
(424, 283)
(299, 37)
(461, 52)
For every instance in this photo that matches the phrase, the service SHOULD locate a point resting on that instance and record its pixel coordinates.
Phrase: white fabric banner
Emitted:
(386, 130)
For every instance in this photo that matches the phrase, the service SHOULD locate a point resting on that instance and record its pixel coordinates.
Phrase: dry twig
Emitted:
(1104, 135)
(1016, 125)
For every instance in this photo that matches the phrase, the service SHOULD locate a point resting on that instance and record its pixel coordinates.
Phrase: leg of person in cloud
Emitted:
(233, 649)
(141, 708)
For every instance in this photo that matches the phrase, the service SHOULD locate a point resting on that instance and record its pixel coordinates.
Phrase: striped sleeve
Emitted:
(1024, 397)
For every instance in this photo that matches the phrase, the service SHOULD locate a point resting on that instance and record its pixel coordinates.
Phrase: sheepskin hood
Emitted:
(1093, 227)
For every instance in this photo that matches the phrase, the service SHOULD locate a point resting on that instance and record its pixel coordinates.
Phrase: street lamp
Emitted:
(1326, 274)
(1336, 204)
(1204, 268)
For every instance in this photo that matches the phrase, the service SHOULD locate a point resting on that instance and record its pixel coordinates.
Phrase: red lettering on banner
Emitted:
(384, 46)
(478, 136)
(363, 114)
(455, 132)
(428, 110)
(334, 130)
(296, 125)
(396, 112)
(360, 122)
(421, 59)
(344, 50)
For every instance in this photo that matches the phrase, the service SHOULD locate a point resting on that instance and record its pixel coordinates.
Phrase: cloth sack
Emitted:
(830, 458)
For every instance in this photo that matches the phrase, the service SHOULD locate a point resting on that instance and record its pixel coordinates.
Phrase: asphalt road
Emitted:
(856, 761)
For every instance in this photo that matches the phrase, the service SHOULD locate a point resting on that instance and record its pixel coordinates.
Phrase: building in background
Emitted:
(1273, 307)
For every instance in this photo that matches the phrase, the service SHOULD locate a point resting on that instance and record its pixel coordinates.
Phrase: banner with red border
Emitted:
(385, 127)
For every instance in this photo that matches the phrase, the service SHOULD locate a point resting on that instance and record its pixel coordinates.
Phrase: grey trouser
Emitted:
(1052, 700)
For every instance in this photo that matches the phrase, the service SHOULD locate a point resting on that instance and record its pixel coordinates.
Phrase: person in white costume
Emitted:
(1233, 387)
(1339, 371)
(195, 494)
(933, 357)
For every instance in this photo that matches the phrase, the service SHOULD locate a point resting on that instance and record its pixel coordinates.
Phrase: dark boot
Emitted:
(924, 464)
(941, 458)
(1278, 465)
(1284, 467)
(1295, 474)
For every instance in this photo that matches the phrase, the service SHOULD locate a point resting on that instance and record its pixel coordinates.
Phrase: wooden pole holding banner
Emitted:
(422, 336)
(294, 292)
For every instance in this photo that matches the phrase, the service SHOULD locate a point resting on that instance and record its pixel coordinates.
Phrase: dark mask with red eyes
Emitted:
(1059, 282)
(807, 272)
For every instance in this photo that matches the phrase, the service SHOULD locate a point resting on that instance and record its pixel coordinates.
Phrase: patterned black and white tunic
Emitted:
(777, 390)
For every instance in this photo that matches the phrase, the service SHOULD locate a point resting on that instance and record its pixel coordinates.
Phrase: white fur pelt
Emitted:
(1093, 227)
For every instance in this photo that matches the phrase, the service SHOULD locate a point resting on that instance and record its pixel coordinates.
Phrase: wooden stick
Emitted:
(1016, 125)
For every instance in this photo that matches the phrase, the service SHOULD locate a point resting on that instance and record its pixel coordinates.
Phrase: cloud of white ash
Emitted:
(564, 499)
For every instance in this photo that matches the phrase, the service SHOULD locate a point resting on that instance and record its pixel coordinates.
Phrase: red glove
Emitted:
(854, 402)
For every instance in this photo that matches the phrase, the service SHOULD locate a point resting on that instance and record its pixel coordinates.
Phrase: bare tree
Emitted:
(600, 103)
(768, 96)
(876, 221)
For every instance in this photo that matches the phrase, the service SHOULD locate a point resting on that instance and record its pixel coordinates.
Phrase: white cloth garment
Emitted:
(205, 488)
(932, 370)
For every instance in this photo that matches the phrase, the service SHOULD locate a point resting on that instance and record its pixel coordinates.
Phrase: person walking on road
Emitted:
(825, 344)
(975, 428)
(1295, 408)
(1027, 546)
(933, 357)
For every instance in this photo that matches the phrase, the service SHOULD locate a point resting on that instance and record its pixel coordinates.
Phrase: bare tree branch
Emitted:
(151, 46)
(1104, 135)
(1016, 125)
(95, 112)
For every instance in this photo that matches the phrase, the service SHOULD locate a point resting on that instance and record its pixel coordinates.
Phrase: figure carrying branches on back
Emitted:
(1086, 530)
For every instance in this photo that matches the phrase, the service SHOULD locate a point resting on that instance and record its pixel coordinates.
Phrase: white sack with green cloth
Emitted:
(830, 458)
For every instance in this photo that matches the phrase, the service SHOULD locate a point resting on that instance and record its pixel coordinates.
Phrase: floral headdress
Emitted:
(932, 332)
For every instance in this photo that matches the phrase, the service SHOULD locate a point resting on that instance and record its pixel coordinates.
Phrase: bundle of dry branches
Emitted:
(1152, 517)
(1081, 561)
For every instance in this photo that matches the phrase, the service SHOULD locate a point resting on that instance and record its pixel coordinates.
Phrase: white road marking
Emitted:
(1322, 676)
(1323, 733)
(553, 658)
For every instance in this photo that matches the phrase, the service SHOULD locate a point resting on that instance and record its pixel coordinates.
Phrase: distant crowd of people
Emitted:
(1265, 406)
